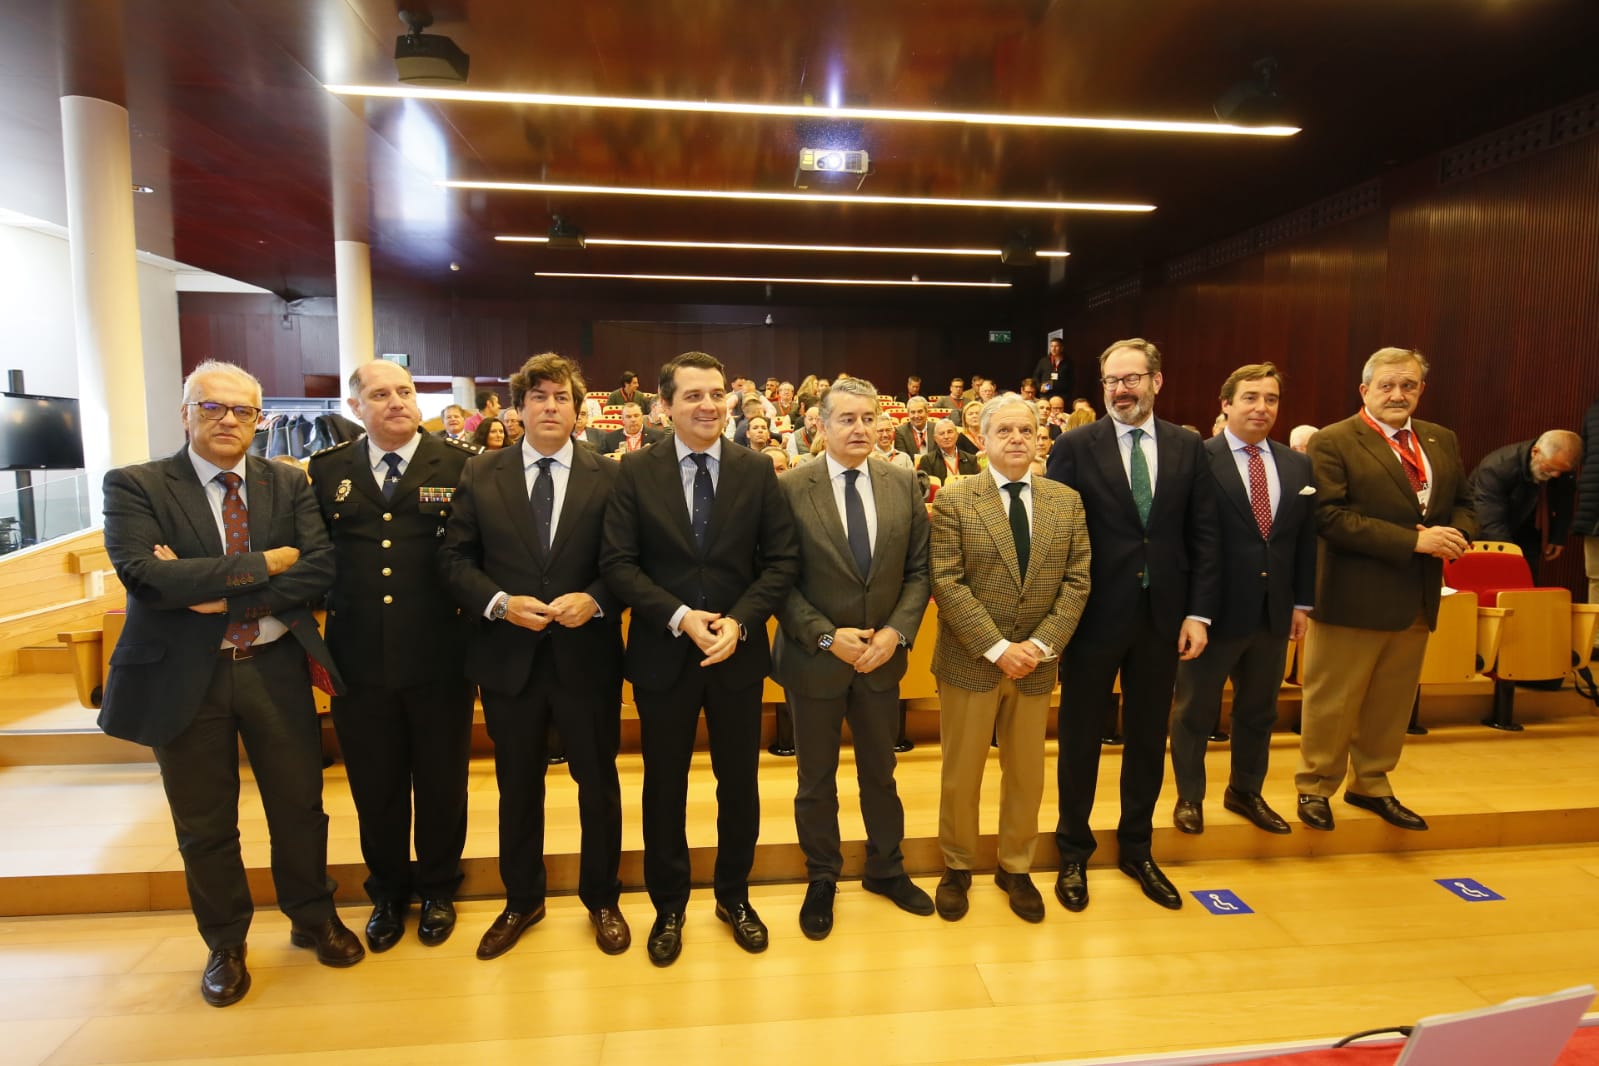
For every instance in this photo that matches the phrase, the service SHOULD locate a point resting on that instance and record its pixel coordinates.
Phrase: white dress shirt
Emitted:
(380, 469)
(863, 485)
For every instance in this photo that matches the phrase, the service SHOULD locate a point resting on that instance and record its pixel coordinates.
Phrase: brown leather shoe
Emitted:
(610, 930)
(1188, 816)
(1253, 805)
(1315, 812)
(225, 980)
(1025, 901)
(503, 933)
(950, 898)
(335, 945)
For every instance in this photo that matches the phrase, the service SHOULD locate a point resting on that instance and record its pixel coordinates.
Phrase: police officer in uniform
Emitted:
(405, 723)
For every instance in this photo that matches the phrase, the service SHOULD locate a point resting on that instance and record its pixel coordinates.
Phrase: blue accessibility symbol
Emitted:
(1469, 890)
(1221, 901)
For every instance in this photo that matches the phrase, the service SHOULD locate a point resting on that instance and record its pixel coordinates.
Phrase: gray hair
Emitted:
(1300, 435)
(1005, 399)
(847, 387)
(941, 423)
(915, 402)
(215, 367)
(1392, 357)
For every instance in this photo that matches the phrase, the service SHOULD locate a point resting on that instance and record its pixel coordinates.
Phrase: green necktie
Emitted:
(1142, 496)
(1018, 526)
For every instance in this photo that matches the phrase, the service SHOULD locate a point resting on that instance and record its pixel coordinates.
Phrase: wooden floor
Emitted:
(1350, 930)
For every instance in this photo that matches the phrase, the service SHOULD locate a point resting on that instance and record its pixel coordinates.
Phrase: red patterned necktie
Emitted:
(236, 531)
(1410, 459)
(1259, 496)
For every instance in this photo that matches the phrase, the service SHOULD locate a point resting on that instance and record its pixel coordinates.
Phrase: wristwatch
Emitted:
(824, 642)
(498, 612)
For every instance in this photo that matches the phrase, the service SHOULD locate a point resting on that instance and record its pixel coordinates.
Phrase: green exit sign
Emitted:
(999, 336)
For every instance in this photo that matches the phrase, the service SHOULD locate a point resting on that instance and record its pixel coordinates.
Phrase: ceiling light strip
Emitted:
(799, 197)
(725, 107)
(905, 283)
(752, 246)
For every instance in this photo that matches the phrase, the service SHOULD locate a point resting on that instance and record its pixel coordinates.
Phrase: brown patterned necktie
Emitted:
(1259, 495)
(236, 531)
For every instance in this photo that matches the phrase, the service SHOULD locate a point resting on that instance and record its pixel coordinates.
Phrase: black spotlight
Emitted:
(1256, 101)
(427, 58)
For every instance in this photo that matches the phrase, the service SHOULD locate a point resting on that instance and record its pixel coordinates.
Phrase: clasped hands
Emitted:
(571, 610)
(864, 649)
(714, 634)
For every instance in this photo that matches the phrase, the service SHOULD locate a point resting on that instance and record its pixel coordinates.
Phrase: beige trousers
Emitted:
(967, 722)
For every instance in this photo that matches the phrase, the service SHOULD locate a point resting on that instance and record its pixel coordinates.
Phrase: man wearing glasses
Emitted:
(222, 555)
(1154, 588)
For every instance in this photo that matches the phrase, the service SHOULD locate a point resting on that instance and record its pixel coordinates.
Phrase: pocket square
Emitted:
(1308, 490)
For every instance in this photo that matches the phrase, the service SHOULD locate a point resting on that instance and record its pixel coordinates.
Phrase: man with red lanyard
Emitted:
(1053, 373)
(1393, 503)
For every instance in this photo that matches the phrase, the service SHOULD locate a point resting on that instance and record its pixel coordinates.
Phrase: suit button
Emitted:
(335, 514)
(387, 517)
(444, 514)
(1140, 575)
(1263, 573)
(388, 543)
(387, 572)
(388, 599)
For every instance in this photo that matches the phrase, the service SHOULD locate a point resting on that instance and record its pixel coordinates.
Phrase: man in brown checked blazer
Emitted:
(1010, 564)
(1394, 502)
(846, 627)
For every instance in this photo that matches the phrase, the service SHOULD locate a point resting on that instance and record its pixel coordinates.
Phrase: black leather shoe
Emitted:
(949, 899)
(1253, 805)
(903, 891)
(1315, 812)
(335, 944)
(1111, 739)
(1389, 810)
(1153, 882)
(1188, 816)
(386, 926)
(1071, 886)
(780, 750)
(666, 938)
(503, 933)
(225, 980)
(438, 922)
(748, 930)
(610, 930)
(816, 913)
(903, 745)
(1025, 901)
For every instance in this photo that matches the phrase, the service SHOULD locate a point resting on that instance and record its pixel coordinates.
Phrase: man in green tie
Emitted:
(1155, 587)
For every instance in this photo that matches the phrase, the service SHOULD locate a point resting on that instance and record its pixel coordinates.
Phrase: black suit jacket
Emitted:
(653, 564)
(392, 623)
(1179, 548)
(490, 546)
(617, 437)
(1062, 384)
(1507, 499)
(932, 464)
(163, 662)
(1263, 578)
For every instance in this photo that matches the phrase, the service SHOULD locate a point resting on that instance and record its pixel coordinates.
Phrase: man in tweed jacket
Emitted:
(1009, 562)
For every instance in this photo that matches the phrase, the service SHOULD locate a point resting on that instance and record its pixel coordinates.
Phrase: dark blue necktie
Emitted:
(391, 480)
(860, 543)
(704, 496)
(1019, 531)
(544, 502)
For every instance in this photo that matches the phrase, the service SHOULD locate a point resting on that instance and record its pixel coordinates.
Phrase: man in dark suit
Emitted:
(1526, 493)
(841, 650)
(521, 555)
(1010, 563)
(405, 719)
(914, 436)
(634, 433)
(454, 419)
(1266, 513)
(223, 556)
(1393, 503)
(699, 542)
(1053, 374)
(585, 434)
(945, 459)
(1156, 581)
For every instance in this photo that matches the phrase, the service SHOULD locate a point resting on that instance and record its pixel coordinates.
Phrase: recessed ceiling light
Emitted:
(755, 246)
(831, 114)
(799, 197)
(908, 283)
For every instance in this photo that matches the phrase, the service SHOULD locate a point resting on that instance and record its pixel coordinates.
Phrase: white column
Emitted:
(464, 390)
(105, 287)
(352, 264)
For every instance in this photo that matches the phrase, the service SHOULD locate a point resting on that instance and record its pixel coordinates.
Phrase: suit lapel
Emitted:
(510, 479)
(1106, 447)
(991, 512)
(1442, 496)
(820, 497)
(1169, 455)
(260, 504)
(890, 516)
(579, 487)
(729, 483)
(1046, 524)
(1225, 468)
(1288, 480)
(192, 501)
(1382, 453)
(669, 472)
(365, 482)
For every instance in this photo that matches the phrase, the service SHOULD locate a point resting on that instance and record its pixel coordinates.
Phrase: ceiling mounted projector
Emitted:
(427, 58)
(565, 237)
(831, 166)
(1256, 101)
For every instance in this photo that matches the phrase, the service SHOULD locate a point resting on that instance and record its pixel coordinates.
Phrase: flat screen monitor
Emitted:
(40, 433)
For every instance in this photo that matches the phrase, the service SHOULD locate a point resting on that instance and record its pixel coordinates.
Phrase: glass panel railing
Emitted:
(56, 504)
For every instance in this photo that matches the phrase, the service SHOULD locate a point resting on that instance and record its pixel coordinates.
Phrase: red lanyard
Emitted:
(1409, 456)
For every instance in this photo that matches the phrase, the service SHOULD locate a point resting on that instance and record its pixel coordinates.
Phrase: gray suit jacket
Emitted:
(830, 591)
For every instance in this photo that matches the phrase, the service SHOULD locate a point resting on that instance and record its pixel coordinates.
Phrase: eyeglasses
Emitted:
(1129, 381)
(212, 411)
